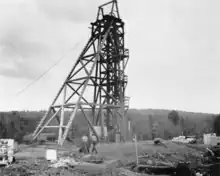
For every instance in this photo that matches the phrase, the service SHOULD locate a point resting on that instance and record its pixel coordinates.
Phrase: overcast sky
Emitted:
(174, 51)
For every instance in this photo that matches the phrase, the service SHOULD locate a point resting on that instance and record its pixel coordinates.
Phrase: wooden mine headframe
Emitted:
(96, 83)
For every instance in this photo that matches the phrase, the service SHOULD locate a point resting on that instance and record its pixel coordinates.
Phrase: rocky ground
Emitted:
(113, 159)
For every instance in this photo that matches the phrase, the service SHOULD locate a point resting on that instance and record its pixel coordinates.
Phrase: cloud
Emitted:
(76, 11)
(17, 56)
(19, 52)
(35, 33)
(30, 42)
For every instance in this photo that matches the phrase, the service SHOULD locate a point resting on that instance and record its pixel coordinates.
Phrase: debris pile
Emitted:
(156, 159)
(40, 167)
(168, 161)
(212, 155)
(64, 162)
(94, 159)
(87, 165)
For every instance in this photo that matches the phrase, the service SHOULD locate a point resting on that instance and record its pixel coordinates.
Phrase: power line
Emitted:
(46, 71)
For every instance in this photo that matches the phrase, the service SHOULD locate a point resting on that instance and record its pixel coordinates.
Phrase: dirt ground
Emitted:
(116, 156)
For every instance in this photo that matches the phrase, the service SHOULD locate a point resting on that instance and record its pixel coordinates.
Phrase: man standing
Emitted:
(94, 143)
(85, 149)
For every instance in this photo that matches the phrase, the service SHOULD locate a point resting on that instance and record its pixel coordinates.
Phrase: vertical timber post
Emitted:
(62, 116)
(102, 122)
(119, 128)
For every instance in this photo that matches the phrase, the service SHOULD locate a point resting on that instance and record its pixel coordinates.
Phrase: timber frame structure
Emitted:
(96, 84)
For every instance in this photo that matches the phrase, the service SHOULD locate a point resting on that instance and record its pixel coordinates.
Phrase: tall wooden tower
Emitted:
(97, 81)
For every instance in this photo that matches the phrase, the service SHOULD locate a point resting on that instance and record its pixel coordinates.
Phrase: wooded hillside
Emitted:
(143, 123)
